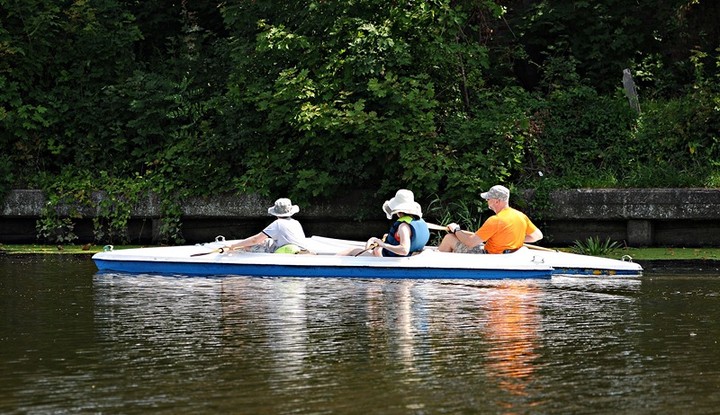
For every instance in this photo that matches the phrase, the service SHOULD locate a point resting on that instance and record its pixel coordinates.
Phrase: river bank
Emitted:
(639, 217)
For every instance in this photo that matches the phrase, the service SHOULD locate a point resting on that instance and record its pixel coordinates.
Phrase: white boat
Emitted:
(564, 263)
(211, 259)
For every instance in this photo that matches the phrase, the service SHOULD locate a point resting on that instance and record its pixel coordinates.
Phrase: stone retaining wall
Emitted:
(639, 217)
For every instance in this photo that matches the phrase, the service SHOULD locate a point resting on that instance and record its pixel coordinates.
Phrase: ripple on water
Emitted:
(147, 343)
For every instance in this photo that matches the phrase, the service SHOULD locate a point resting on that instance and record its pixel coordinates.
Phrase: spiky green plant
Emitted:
(468, 216)
(594, 246)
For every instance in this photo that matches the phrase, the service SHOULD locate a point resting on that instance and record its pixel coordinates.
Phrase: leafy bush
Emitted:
(110, 201)
(678, 143)
(307, 99)
(7, 178)
(469, 215)
(56, 229)
(584, 135)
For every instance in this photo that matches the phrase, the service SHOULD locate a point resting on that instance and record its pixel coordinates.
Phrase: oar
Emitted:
(540, 248)
(219, 250)
(436, 227)
(373, 246)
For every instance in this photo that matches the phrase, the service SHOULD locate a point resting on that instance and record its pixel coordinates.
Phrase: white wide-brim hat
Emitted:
(283, 208)
(404, 201)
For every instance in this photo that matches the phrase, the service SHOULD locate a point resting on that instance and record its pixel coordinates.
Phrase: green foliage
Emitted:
(601, 38)
(309, 98)
(469, 215)
(594, 246)
(56, 58)
(491, 146)
(62, 207)
(581, 133)
(7, 178)
(110, 201)
(679, 140)
(349, 91)
(71, 198)
(56, 229)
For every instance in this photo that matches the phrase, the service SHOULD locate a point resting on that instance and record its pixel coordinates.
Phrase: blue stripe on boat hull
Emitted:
(314, 271)
(594, 272)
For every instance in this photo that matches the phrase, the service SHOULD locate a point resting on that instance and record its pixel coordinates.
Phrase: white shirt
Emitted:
(285, 231)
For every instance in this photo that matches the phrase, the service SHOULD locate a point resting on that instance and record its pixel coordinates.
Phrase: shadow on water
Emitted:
(76, 341)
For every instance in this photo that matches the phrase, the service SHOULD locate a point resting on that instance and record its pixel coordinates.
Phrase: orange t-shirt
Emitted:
(505, 230)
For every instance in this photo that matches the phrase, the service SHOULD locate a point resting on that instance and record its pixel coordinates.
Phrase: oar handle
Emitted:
(220, 250)
(436, 227)
(540, 248)
(373, 246)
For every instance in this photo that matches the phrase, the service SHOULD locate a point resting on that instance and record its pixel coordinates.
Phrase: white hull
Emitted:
(525, 263)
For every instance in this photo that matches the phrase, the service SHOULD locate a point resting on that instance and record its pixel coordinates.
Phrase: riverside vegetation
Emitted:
(306, 99)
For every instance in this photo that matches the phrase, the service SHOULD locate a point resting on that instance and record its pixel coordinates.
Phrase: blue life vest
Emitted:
(419, 235)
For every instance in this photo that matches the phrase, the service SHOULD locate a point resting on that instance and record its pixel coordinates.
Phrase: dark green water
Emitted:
(73, 341)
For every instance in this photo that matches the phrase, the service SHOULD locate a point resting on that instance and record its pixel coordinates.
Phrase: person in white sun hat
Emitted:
(503, 233)
(408, 233)
(284, 235)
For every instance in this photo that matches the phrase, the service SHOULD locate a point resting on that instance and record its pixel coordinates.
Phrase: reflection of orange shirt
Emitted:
(513, 323)
(505, 230)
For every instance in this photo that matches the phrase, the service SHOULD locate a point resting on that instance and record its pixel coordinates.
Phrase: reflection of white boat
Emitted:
(206, 259)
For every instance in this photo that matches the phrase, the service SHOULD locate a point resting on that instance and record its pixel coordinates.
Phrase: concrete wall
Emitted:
(203, 218)
(640, 217)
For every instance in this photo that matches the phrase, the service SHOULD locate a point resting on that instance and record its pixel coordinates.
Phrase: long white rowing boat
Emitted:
(210, 259)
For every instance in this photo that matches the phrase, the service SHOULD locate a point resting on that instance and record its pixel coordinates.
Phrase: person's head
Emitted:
(283, 208)
(497, 197)
(402, 203)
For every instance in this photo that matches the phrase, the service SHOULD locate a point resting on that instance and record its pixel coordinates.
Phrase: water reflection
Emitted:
(425, 328)
(267, 319)
(288, 337)
(157, 310)
(513, 322)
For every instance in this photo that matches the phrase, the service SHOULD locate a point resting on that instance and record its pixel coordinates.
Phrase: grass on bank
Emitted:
(87, 249)
(709, 253)
(670, 253)
(648, 254)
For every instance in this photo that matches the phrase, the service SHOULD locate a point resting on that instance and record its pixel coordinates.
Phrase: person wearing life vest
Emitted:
(408, 233)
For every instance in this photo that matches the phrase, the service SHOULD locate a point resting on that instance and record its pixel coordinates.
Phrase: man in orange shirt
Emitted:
(505, 232)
